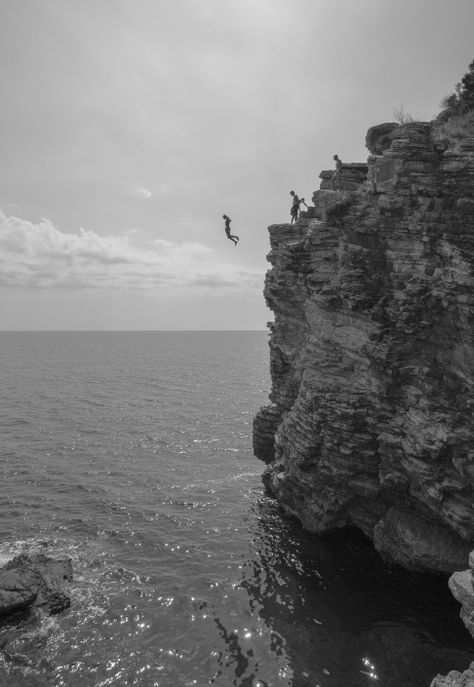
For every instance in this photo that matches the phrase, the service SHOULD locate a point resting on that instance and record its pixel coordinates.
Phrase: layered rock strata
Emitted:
(372, 351)
(352, 175)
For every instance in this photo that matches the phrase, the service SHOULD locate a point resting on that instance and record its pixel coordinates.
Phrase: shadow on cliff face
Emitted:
(343, 616)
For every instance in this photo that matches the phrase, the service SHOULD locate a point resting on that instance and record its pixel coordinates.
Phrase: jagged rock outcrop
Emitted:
(372, 352)
(455, 679)
(352, 175)
(462, 587)
(380, 137)
(34, 580)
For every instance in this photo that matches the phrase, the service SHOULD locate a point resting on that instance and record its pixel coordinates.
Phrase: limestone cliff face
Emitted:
(372, 351)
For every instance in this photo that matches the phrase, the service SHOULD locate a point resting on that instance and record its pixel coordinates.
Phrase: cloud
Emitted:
(143, 193)
(41, 256)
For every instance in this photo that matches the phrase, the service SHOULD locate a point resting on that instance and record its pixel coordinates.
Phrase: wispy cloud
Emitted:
(143, 193)
(40, 255)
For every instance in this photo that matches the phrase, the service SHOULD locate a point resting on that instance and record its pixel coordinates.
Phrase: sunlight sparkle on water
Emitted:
(370, 672)
(285, 672)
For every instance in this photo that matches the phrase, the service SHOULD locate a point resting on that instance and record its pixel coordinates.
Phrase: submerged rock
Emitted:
(35, 580)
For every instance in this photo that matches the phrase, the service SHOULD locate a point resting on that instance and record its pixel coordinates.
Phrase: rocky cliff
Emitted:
(372, 350)
(462, 587)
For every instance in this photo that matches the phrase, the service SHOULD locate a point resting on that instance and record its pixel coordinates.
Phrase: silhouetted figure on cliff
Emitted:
(227, 230)
(295, 206)
(336, 177)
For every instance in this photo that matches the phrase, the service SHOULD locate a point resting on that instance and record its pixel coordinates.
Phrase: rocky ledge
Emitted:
(372, 351)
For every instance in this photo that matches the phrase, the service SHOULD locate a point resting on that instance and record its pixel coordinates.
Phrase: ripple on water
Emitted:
(131, 454)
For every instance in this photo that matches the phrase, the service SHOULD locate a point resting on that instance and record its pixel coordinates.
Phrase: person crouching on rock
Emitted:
(295, 206)
(227, 230)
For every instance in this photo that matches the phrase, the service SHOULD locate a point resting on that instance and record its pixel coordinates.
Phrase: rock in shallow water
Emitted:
(35, 580)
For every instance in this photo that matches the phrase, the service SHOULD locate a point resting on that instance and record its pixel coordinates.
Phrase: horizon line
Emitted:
(48, 331)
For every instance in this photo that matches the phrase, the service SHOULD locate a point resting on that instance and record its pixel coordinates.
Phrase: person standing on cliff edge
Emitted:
(227, 230)
(336, 177)
(295, 206)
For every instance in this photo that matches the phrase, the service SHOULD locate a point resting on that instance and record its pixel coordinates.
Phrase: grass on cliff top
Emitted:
(455, 130)
(456, 122)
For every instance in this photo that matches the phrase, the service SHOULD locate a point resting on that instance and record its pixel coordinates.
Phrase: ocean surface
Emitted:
(131, 453)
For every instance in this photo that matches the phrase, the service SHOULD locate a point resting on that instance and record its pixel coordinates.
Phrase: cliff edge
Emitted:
(372, 350)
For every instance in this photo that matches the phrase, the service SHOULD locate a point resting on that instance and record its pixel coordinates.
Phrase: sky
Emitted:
(129, 127)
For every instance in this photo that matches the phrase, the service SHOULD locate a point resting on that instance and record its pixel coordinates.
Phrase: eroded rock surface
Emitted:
(455, 679)
(380, 137)
(351, 176)
(462, 588)
(372, 353)
(35, 580)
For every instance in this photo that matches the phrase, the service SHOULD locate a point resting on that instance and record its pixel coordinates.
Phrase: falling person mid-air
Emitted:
(227, 230)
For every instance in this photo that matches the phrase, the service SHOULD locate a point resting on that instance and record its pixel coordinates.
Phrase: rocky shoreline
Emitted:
(372, 353)
(462, 587)
(31, 586)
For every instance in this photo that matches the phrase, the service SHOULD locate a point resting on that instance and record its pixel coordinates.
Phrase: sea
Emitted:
(131, 453)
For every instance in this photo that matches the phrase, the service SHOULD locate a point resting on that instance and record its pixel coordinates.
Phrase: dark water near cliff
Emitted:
(131, 453)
